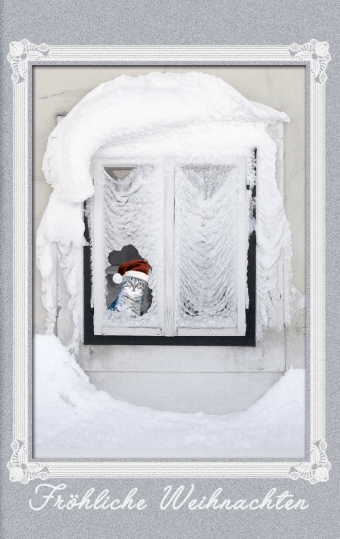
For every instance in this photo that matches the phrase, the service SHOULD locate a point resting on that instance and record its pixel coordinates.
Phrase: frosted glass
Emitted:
(206, 246)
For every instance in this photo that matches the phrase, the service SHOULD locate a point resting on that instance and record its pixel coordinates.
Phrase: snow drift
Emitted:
(73, 419)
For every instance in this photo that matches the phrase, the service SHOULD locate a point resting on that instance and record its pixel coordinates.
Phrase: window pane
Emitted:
(206, 242)
(133, 217)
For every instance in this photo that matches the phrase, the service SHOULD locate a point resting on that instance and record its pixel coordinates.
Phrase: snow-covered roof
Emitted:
(126, 106)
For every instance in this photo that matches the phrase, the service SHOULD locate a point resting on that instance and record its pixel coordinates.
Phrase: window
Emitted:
(189, 221)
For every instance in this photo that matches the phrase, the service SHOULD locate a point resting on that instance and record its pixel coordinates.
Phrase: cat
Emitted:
(130, 297)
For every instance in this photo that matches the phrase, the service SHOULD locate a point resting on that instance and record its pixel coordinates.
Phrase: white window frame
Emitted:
(103, 160)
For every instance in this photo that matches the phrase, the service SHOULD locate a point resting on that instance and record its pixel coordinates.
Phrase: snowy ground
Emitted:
(73, 419)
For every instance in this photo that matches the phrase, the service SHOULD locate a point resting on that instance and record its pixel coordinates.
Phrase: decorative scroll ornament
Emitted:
(315, 471)
(317, 53)
(19, 52)
(20, 470)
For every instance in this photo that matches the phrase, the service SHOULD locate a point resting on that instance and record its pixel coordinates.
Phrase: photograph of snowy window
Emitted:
(169, 225)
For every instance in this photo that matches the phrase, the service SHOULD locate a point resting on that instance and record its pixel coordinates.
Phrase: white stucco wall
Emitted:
(214, 380)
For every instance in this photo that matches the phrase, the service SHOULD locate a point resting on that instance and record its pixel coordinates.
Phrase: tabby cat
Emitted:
(130, 297)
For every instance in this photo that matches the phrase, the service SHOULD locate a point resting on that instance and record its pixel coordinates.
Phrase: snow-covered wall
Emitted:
(59, 104)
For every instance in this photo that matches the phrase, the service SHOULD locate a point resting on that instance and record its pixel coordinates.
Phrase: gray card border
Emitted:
(146, 23)
(22, 86)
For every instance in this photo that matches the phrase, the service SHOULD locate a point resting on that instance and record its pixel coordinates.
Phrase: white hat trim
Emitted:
(137, 274)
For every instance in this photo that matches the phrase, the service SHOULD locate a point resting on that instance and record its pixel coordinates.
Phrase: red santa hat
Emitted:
(132, 268)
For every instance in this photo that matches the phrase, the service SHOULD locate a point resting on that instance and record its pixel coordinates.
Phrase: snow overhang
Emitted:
(128, 106)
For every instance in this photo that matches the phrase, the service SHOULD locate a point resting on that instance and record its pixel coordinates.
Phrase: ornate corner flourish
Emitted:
(20, 470)
(317, 53)
(19, 52)
(315, 471)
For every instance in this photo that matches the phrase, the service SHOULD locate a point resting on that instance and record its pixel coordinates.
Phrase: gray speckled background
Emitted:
(179, 22)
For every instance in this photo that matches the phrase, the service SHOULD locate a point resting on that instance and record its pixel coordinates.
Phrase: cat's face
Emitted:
(133, 287)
